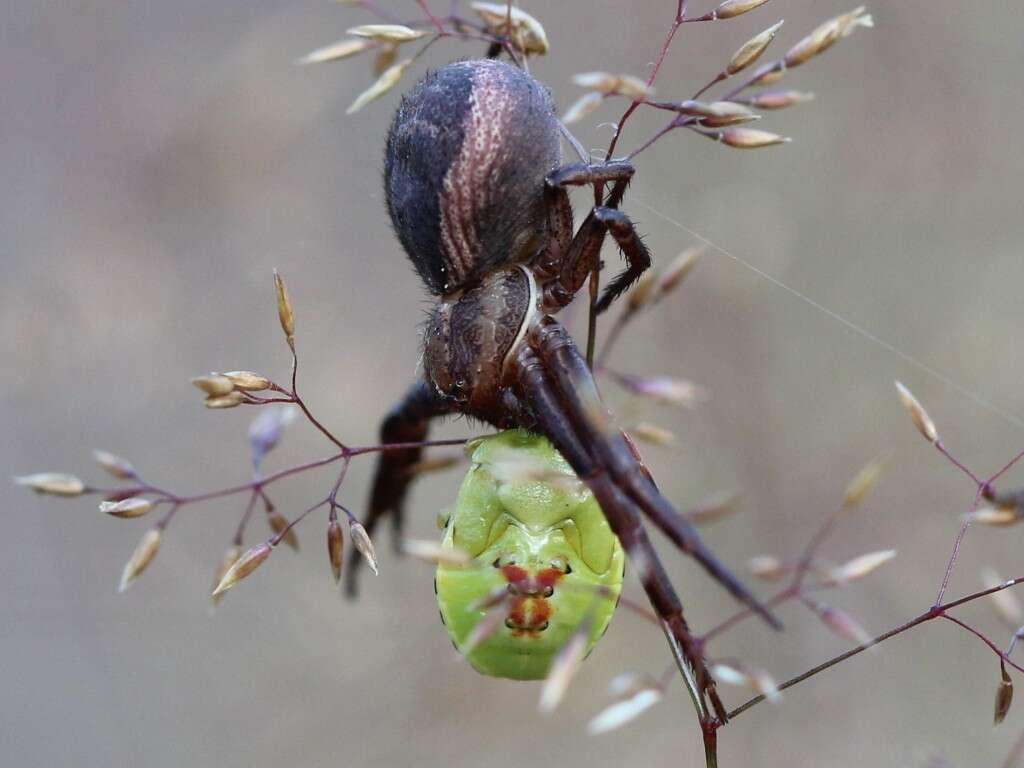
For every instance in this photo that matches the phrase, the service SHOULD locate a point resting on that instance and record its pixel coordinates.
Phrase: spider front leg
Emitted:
(570, 259)
(407, 422)
(541, 398)
(574, 408)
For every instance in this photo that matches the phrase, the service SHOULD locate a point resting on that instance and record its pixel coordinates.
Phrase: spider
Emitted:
(479, 200)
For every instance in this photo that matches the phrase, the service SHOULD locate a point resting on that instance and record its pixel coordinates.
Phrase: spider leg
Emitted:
(572, 261)
(541, 399)
(572, 378)
(407, 422)
(638, 258)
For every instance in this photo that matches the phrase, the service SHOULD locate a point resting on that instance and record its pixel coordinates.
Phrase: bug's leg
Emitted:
(578, 257)
(572, 378)
(407, 422)
(541, 401)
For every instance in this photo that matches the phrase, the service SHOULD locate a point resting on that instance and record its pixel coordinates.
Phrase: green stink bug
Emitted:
(533, 529)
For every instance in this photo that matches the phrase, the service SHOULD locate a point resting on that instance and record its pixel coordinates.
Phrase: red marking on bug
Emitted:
(529, 611)
(541, 613)
(517, 577)
(549, 577)
(517, 615)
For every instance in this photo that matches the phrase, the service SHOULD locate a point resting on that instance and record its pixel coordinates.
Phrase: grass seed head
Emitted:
(563, 669)
(698, 108)
(652, 433)
(606, 83)
(843, 624)
(342, 49)
(496, 596)
(678, 270)
(230, 400)
(742, 675)
(778, 99)
(511, 466)
(634, 87)
(766, 567)
(750, 138)
(1004, 695)
(751, 50)
(732, 8)
(385, 57)
(388, 79)
(485, 627)
(140, 559)
(247, 381)
(251, 560)
(363, 544)
(861, 566)
(431, 465)
(387, 33)
(282, 530)
(730, 113)
(624, 711)
(826, 35)
(335, 548)
(214, 384)
(767, 75)
(285, 314)
(995, 515)
(527, 31)
(603, 82)
(52, 483)
(114, 465)
(918, 414)
(642, 293)
(437, 554)
(127, 508)
(582, 107)
(668, 390)
(863, 482)
(231, 556)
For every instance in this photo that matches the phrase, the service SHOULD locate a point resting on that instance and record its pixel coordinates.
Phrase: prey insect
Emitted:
(545, 561)
(479, 201)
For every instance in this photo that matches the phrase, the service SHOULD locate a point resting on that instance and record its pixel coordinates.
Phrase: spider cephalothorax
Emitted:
(480, 204)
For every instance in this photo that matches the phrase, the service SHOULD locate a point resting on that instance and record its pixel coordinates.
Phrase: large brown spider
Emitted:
(479, 201)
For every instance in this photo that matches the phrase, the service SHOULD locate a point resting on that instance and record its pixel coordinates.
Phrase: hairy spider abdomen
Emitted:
(464, 170)
(469, 336)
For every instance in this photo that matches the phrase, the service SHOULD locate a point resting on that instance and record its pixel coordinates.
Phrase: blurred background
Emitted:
(159, 159)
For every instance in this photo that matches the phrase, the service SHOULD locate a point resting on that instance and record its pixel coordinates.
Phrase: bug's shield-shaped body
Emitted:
(534, 530)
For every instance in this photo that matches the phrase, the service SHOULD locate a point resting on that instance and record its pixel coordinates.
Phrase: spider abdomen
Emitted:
(464, 170)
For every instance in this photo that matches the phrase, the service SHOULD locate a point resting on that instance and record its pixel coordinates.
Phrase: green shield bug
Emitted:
(543, 556)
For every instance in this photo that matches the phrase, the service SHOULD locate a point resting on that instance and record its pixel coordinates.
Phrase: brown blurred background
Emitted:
(159, 159)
